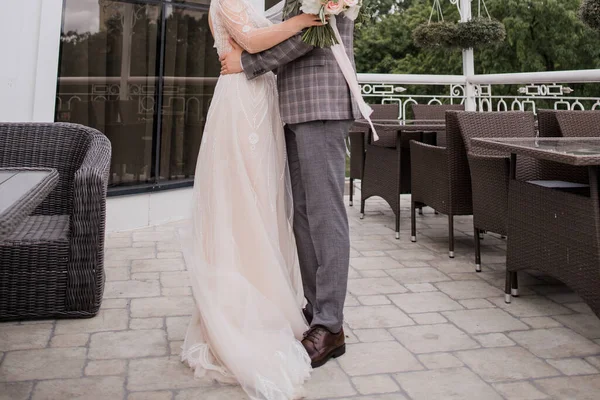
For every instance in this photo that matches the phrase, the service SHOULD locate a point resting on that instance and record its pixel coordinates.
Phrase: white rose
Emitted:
(311, 7)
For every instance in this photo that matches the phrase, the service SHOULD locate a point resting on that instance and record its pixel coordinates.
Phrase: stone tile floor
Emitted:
(419, 326)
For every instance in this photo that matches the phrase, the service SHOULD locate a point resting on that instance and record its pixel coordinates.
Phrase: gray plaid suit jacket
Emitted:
(310, 82)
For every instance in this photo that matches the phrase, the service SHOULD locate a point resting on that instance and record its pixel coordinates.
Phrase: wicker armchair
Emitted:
(490, 171)
(549, 127)
(358, 141)
(52, 265)
(435, 112)
(441, 178)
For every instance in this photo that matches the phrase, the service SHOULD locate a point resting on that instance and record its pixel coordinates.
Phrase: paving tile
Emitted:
(519, 391)
(101, 388)
(390, 396)
(161, 306)
(433, 338)
(106, 367)
(217, 392)
(130, 253)
(473, 304)
(146, 276)
(128, 344)
(375, 384)
(15, 390)
(146, 323)
(428, 318)
(114, 303)
(177, 327)
(328, 381)
(541, 322)
(130, 289)
(447, 384)
(374, 253)
(556, 343)
(531, 306)
(494, 340)
(595, 361)
(151, 396)
(373, 244)
(484, 321)
(175, 279)
(585, 325)
(153, 236)
(461, 290)
(27, 365)
(580, 308)
(377, 300)
(418, 275)
(372, 273)
(176, 291)
(420, 287)
(573, 366)
(106, 320)
(369, 263)
(371, 286)
(160, 373)
(413, 255)
(391, 357)
(73, 340)
(117, 274)
(439, 361)
(572, 388)
(506, 364)
(175, 347)
(373, 335)
(20, 337)
(376, 317)
(424, 302)
(351, 301)
(155, 265)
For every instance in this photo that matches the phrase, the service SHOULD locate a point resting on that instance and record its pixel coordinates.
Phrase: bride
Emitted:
(240, 249)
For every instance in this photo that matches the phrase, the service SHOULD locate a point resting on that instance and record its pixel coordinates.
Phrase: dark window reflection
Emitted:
(109, 80)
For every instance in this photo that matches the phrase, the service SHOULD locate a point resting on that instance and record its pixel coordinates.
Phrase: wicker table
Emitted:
(21, 191)
(554, 227)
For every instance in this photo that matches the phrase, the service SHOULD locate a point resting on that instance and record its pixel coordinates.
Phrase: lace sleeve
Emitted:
(237, 17)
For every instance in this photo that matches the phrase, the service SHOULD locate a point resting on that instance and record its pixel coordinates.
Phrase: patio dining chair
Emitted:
(358, 141)
(435, 112)
(441, 178)
(490, 170)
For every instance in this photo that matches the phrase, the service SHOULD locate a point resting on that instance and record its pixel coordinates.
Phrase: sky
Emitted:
(82, 16)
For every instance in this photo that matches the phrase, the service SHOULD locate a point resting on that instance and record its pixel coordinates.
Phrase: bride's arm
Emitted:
(236, 19)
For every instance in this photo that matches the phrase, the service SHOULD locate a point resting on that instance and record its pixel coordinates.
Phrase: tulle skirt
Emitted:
(240, 251)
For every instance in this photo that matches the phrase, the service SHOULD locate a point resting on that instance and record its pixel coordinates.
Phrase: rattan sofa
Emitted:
(52, 265)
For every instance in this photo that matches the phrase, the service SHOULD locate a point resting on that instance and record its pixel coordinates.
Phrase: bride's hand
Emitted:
(307, 20)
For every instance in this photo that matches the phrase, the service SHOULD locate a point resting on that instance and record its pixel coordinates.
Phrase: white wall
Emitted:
(29, 49)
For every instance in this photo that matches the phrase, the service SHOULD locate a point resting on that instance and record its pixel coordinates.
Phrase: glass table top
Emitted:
(576, 151)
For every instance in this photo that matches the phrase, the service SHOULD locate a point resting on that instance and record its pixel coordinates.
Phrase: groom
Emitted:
(318, 110)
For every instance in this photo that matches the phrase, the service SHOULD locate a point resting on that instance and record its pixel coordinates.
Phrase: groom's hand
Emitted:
(231, 63)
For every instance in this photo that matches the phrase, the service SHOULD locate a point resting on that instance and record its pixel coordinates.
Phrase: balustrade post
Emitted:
(468, 60)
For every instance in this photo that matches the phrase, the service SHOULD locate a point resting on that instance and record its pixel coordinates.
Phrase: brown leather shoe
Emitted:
(322, 345)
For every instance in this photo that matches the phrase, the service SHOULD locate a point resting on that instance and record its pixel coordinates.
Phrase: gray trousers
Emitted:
(317, 159)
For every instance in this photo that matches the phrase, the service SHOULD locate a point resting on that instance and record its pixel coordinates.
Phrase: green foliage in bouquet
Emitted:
(589, 13)
(479, 32)
(435, 35)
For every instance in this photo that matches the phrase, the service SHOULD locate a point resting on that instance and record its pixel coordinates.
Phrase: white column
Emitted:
(468, 60)
(29, 44)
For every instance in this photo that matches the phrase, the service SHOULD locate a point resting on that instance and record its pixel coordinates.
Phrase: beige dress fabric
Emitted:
(239, 247)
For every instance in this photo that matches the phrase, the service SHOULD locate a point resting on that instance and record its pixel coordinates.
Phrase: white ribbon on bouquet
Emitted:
(339, 52)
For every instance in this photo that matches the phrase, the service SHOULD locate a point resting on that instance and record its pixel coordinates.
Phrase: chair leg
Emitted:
(362, 208)
(514, 290)
(451, 236)
(421, 210)
(398, 222)
(413, 222)
(351, 188)
(477, 251)
(508, 287)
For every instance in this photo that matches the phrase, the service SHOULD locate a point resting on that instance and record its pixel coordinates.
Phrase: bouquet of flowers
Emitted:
(323, 36)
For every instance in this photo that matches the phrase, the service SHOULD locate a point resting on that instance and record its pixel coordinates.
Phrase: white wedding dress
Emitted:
(239, 248)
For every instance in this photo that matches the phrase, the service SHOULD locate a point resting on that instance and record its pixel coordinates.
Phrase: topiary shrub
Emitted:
(479, 32)
(434, 35)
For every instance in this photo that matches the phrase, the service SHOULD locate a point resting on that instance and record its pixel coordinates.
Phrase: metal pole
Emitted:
(468, 60)
(126, 51)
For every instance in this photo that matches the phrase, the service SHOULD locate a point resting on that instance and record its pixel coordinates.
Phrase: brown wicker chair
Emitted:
(549, 127)
(358, 140)
(51, 266)
(490, 171)
(441, 178)
(435, 112)
(579, 123)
